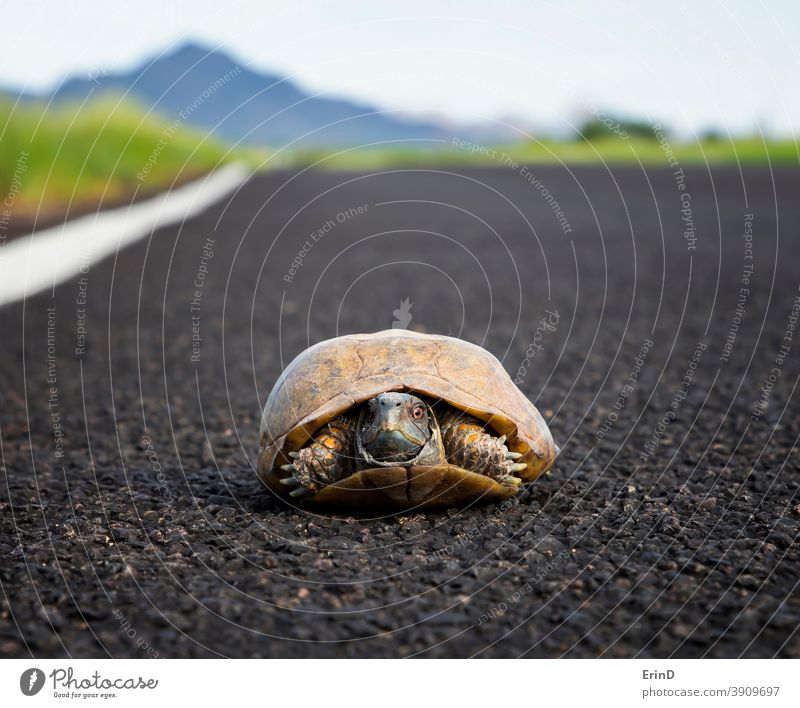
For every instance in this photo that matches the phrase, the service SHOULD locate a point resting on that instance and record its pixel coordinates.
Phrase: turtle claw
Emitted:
(297, 478)
(513, 455)
(502, 439)
(300, 492)
(517, 467)
(510, 481)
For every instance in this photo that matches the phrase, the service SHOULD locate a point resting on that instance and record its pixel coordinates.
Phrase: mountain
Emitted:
(208, 90)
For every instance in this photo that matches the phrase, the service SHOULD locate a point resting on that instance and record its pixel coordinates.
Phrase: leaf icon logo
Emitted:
(403, 316)
(31, 681)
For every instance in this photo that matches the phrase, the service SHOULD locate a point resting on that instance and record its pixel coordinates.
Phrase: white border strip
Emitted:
(214, 683)
(41, 260)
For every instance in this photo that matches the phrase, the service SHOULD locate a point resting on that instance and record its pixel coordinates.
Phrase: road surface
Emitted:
(649, 313)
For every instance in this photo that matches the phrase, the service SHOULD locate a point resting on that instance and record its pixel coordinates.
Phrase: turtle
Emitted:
(402, 419)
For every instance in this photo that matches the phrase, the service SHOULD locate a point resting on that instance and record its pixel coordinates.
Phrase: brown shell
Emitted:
(331, 377)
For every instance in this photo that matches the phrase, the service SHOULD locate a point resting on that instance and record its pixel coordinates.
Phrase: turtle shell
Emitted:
(333, 376)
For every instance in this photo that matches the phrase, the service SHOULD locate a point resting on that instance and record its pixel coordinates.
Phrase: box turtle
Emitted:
(401, 419)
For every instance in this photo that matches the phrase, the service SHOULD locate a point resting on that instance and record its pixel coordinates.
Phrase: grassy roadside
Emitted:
(609, 150)
(106, 152)
(54, 160)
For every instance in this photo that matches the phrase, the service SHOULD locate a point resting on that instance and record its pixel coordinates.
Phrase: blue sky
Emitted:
(733, 66)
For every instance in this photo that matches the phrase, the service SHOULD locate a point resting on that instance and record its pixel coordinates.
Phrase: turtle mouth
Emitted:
(392, 445)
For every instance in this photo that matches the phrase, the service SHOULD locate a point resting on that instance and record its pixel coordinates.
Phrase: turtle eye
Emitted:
(417, 412)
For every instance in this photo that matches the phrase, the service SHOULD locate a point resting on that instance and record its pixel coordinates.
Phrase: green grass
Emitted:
(603, 150)
(51, 158)
(108, 151)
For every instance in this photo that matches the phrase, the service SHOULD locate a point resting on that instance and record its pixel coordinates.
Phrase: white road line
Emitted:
(39, 261)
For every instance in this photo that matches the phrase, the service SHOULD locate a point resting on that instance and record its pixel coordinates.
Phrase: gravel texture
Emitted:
(134, 525)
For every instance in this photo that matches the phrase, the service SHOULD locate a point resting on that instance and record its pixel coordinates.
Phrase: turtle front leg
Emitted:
(468, 445)
(327, 459)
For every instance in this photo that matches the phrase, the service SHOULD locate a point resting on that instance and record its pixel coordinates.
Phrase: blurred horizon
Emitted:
(581, 116)
(103, 108)
(529, 65)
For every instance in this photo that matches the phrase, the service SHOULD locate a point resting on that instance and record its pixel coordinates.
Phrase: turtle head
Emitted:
(394, 427)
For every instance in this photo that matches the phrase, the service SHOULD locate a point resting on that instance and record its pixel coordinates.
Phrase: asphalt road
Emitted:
(643, 310)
